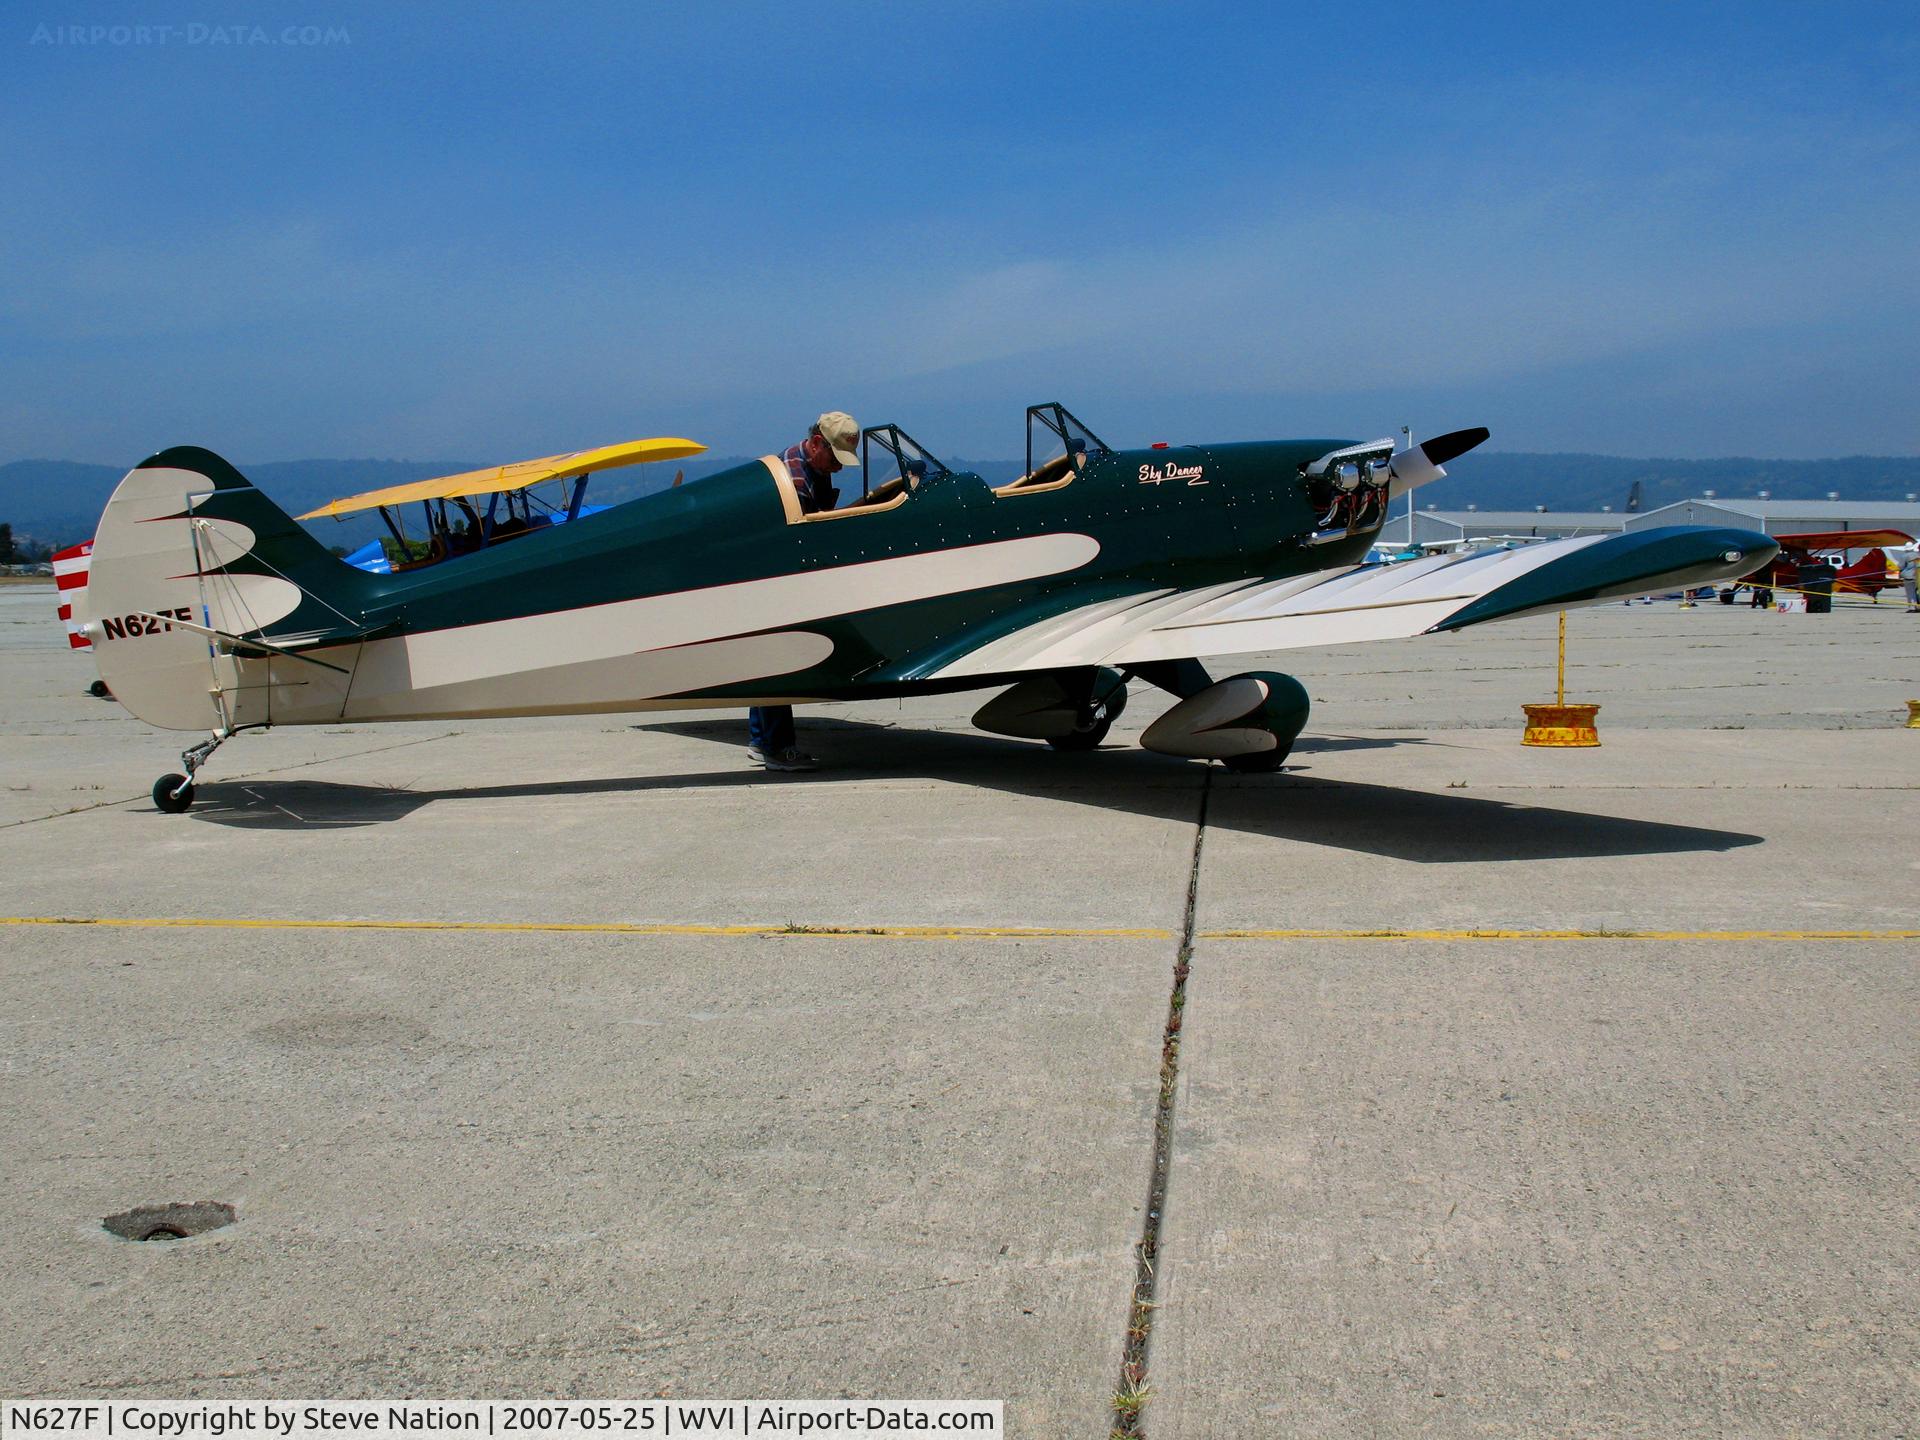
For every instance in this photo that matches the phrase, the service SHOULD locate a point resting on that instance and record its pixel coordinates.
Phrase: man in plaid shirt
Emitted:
(828, 448)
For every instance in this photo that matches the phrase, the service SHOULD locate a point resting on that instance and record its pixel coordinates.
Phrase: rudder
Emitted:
(185, 536)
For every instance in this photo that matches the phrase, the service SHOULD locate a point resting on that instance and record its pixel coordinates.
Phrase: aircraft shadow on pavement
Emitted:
(1328, 744)
(1416, 825)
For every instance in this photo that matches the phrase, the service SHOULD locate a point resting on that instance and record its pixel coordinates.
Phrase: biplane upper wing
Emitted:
(1844, 540)
(1346, 605)
(516, 476)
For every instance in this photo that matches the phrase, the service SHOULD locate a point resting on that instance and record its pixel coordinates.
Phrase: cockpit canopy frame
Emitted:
(892, 460)
(1053, 431)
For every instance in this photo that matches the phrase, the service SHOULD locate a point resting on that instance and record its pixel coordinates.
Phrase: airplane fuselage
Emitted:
(883, 596)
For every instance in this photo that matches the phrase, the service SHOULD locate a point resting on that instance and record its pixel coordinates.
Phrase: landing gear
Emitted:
(1268, 763)
(1247, 722)
(1095, 719)
(174, 793)
(1069, 709)
(1082, 739)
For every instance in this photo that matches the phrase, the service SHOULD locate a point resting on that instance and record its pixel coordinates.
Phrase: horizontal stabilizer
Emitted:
(238, 643)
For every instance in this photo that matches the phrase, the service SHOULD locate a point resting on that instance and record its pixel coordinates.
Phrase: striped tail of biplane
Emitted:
(70, 579)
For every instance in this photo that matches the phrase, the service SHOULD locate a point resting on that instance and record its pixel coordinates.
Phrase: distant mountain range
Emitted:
(1514, 480)
(59, 501)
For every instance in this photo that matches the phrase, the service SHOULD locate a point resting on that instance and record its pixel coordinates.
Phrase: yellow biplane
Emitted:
(512, 507)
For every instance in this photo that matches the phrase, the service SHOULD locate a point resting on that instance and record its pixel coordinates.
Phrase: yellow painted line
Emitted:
(540, 927)
(1736, 935)
(920, 932)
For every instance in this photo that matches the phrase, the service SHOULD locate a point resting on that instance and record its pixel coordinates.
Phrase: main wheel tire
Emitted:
(99, 691)
(168, 795)
(1264, 763)
(1110, 710)
(1084, 739)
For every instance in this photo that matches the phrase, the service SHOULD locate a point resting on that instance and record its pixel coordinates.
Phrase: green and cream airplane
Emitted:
(210, 609)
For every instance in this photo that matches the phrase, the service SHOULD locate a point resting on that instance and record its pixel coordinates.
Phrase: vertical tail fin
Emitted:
(186, 536)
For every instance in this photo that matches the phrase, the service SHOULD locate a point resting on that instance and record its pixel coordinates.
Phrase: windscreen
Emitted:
(1052, 432)
(892, 454)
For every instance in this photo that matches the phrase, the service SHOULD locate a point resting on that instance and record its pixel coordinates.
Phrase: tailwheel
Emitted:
(173, 794)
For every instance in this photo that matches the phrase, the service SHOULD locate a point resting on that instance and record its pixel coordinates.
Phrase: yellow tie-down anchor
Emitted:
(1560, 725)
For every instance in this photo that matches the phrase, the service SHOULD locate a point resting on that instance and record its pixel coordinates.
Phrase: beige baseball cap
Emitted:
(837, 428)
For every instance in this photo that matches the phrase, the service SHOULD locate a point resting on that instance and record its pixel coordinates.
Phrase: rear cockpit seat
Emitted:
(1050, 476)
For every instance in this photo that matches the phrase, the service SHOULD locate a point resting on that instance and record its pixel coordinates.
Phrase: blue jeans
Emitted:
(770, 728)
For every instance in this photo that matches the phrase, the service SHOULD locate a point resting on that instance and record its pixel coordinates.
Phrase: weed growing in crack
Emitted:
(1128, 1402)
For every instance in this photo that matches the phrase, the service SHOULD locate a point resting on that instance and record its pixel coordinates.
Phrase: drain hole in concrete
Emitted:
(170, 1222)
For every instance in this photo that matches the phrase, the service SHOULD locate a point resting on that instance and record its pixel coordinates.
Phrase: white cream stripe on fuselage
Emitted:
(603, 656)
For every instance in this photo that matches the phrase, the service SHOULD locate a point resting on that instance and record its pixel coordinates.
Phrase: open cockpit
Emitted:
(894, 466)
(1059, 448)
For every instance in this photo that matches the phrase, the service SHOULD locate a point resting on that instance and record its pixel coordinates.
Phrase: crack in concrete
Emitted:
(1130, 1400)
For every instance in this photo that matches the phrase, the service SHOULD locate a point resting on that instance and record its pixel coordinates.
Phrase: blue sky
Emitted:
(434, 233)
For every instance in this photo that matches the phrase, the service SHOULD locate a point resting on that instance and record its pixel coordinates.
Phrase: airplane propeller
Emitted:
(1421, 464)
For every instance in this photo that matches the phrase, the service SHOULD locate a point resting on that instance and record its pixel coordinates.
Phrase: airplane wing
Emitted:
(1350, 604)
(517, 476)
(1844, 539)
